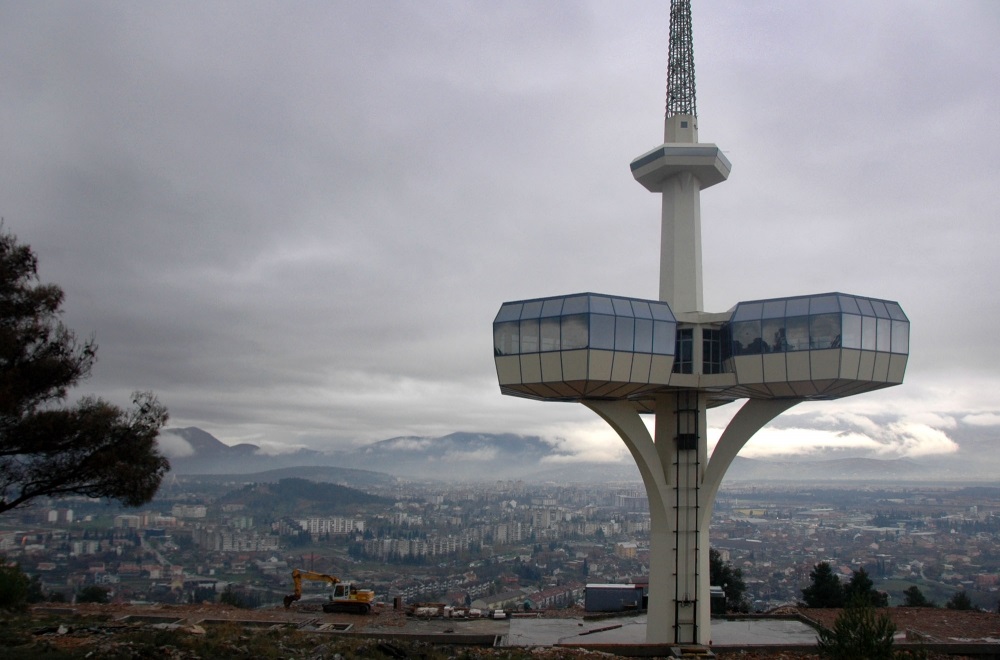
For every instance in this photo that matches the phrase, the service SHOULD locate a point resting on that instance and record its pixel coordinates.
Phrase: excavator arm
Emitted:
(298, 576)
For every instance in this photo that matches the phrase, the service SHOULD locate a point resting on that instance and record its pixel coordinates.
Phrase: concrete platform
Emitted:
(632, 630)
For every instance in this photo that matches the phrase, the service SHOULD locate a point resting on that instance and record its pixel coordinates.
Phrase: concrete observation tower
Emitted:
(623, 357)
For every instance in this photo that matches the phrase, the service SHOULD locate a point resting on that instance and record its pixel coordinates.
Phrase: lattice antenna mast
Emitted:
(680, 67)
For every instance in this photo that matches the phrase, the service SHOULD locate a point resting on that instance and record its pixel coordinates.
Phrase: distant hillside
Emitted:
(839, 469)
(194, 451)
(321, 473)
(298, 497)
(488, 457)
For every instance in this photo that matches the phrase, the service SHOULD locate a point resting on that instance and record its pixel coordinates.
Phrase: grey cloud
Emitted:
(296, 222)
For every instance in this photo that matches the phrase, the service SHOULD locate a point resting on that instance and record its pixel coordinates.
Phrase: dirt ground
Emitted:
(930, 624)
(927, 625)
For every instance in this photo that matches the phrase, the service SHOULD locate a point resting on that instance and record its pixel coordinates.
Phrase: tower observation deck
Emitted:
(623, 357)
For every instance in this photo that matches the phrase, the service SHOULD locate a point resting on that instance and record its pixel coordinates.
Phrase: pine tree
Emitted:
(722, 574)
(825, 590)
(959, 601)
(859, 631)
(93, 448)
(913, 597)
(862, 586)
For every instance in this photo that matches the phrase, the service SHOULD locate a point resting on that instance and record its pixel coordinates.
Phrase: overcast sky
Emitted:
(295, 221)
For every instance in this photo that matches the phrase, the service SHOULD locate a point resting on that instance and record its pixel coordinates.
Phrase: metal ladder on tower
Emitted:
(686, 528)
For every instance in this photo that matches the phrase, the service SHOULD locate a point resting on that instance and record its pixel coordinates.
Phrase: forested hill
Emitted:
(295, 496)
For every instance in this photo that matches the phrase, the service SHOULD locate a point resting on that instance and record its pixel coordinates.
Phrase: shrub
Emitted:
(246, 600)
(859, 631)
(959, 601)
(92, 594)
(13, 588)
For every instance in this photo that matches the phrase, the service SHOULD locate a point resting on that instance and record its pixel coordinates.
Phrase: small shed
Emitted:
(613, 597)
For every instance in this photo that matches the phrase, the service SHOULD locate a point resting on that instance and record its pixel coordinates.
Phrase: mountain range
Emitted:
(469, 457)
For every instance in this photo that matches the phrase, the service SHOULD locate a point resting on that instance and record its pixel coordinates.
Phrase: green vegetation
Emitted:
(859, 631)
(241, 598)
(14, 586)
(92, 594)
(861, 586)
(93, 448)
(934, 592)
(913, 597)
(959, 601)
(295, 496)
(722, 574)
(825, 590)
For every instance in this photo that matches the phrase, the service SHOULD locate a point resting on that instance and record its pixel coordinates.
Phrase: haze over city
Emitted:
(295, 224)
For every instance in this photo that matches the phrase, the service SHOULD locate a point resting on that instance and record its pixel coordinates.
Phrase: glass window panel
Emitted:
(746, 338)
(576, 305)
(797, 307)
(640, 308)
(529, 336)
(661, 312)
(797, 333)
(880, 310)
(643, 336)
(552, 307)
(824, 331)
(773, 334)
(851, 331)
(748, 311)
(505, 338)
(849, 305)
(774, 309)
(866, 307)
(683, 360)
(664, 337)
(531, 309)
(574, 332)
(622, 307)
(823, 305)
(602, 331)
(900, 337)
(895, 311)
(868, 332)
(711, 351)
(624, 333)
(508, 312)
(883, 340)
(550, 334)
(601, 305)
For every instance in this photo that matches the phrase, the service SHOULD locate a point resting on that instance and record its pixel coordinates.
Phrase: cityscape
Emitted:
(315, 284)
(495, 545)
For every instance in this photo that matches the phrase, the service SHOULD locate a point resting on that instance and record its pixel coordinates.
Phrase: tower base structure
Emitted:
(625, 357)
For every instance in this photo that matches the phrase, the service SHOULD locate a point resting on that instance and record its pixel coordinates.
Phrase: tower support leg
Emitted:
(681, 484)
(672, 468)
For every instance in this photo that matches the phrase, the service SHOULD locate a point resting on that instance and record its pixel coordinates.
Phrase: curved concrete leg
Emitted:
(623, 418)
(681, 484)
(750, 418)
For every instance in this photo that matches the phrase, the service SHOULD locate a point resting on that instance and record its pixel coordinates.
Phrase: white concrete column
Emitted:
(680, 244)
(680, 432)
(678, 608)
(626, 421)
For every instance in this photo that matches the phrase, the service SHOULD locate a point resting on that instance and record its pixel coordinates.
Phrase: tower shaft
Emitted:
(678, 170)
(680, 244)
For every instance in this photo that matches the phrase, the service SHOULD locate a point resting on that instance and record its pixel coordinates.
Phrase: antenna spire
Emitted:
(680, 67)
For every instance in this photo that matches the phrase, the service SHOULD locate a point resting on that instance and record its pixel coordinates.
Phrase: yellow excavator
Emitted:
(346, 597)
